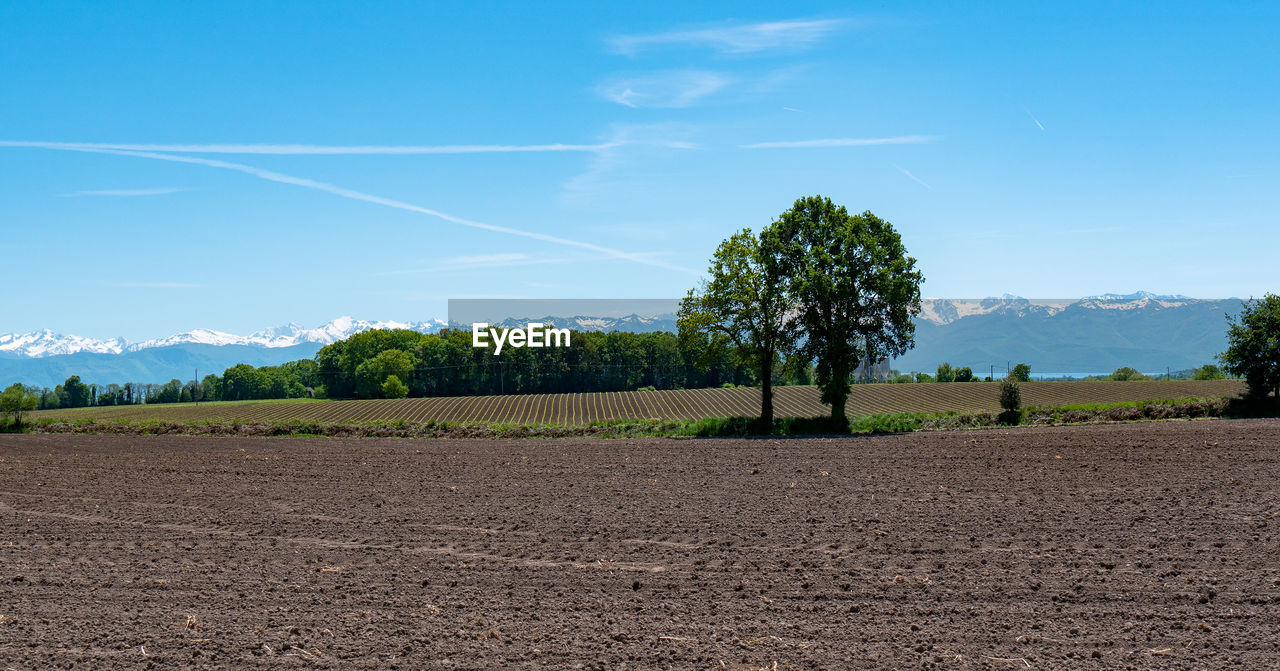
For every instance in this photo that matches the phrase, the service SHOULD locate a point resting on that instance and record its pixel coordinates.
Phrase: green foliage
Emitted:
(856, 289)
(446, 364)
(897, 422)
(392, 387)
(1208, 372)
(1010, 394)
(924, 377)
(371, 374)
(15, 400)
(903, 378)
(75, 394)
(945, 373)
(964, 374)
(744, 302)
(1021, 373)
(1126, 374)
(1253, 346)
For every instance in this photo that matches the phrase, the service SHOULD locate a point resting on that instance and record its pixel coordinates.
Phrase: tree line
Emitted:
(242, 382)
(389, 363)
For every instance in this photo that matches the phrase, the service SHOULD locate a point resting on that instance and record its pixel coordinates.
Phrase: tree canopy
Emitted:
(855, 289)
(17, 399)
(745, 302)
(1253, 346)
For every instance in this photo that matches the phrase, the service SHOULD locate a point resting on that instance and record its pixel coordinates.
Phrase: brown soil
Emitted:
(1118, 546)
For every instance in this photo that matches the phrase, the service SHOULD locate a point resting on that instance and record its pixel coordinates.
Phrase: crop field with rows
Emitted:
(568, 409)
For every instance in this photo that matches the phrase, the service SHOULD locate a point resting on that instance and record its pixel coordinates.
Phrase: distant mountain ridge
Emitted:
(1146, 331)
(46, 343)
(633, 323)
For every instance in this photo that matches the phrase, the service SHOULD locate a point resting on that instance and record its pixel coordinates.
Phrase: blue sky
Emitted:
(257, 163)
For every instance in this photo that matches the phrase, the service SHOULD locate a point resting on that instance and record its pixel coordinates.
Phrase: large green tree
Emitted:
(745, 301)
(854, 286)
(75, 393)
(1253, 346)
(17, 399)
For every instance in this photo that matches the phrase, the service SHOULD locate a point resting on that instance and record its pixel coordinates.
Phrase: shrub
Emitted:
(1010, 400)
(1208, 372)
(1127, 374)
(394, 388)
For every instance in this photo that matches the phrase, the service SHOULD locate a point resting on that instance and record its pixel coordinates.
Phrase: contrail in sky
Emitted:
(842, 142)
(906, 172)
(316, 150)
(369, 198)
(1033, 118)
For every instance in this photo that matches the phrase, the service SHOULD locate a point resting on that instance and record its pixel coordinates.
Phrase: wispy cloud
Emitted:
(1033, 118)
(915, 179)
(312, 149)
(125, 192)
(378, 200)
(664, 89)
(792, 109)
(739, 39)
(156, 285)
(633, 143)
(843, 142)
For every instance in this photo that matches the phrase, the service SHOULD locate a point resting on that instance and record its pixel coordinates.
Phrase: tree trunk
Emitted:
(839, 394)
(837, 411)
(766, 394)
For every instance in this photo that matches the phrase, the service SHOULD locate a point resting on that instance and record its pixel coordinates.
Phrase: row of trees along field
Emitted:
(242, 382)
(448, 365)
(398, 363)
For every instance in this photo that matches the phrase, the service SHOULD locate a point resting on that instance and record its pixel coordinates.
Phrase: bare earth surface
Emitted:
(1120, 546)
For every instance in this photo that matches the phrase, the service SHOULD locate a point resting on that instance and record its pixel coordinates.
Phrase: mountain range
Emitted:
(1097, 334)
(633, 323)
(1146, 331)
(44, 358)
(46, 343)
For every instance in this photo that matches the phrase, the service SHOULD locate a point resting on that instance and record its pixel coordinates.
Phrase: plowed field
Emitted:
(567, 409)
(1146, 546)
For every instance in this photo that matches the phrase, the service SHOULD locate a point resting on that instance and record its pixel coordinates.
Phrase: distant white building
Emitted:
(879, 372)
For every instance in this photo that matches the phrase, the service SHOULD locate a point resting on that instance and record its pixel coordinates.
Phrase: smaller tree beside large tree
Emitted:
(745, 302)
(1253, 346)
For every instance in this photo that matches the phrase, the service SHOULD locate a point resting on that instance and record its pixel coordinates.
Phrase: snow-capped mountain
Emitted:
(47, 343)
(634, 323)
(945, 311)
(948, 310)
(1137, 296)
